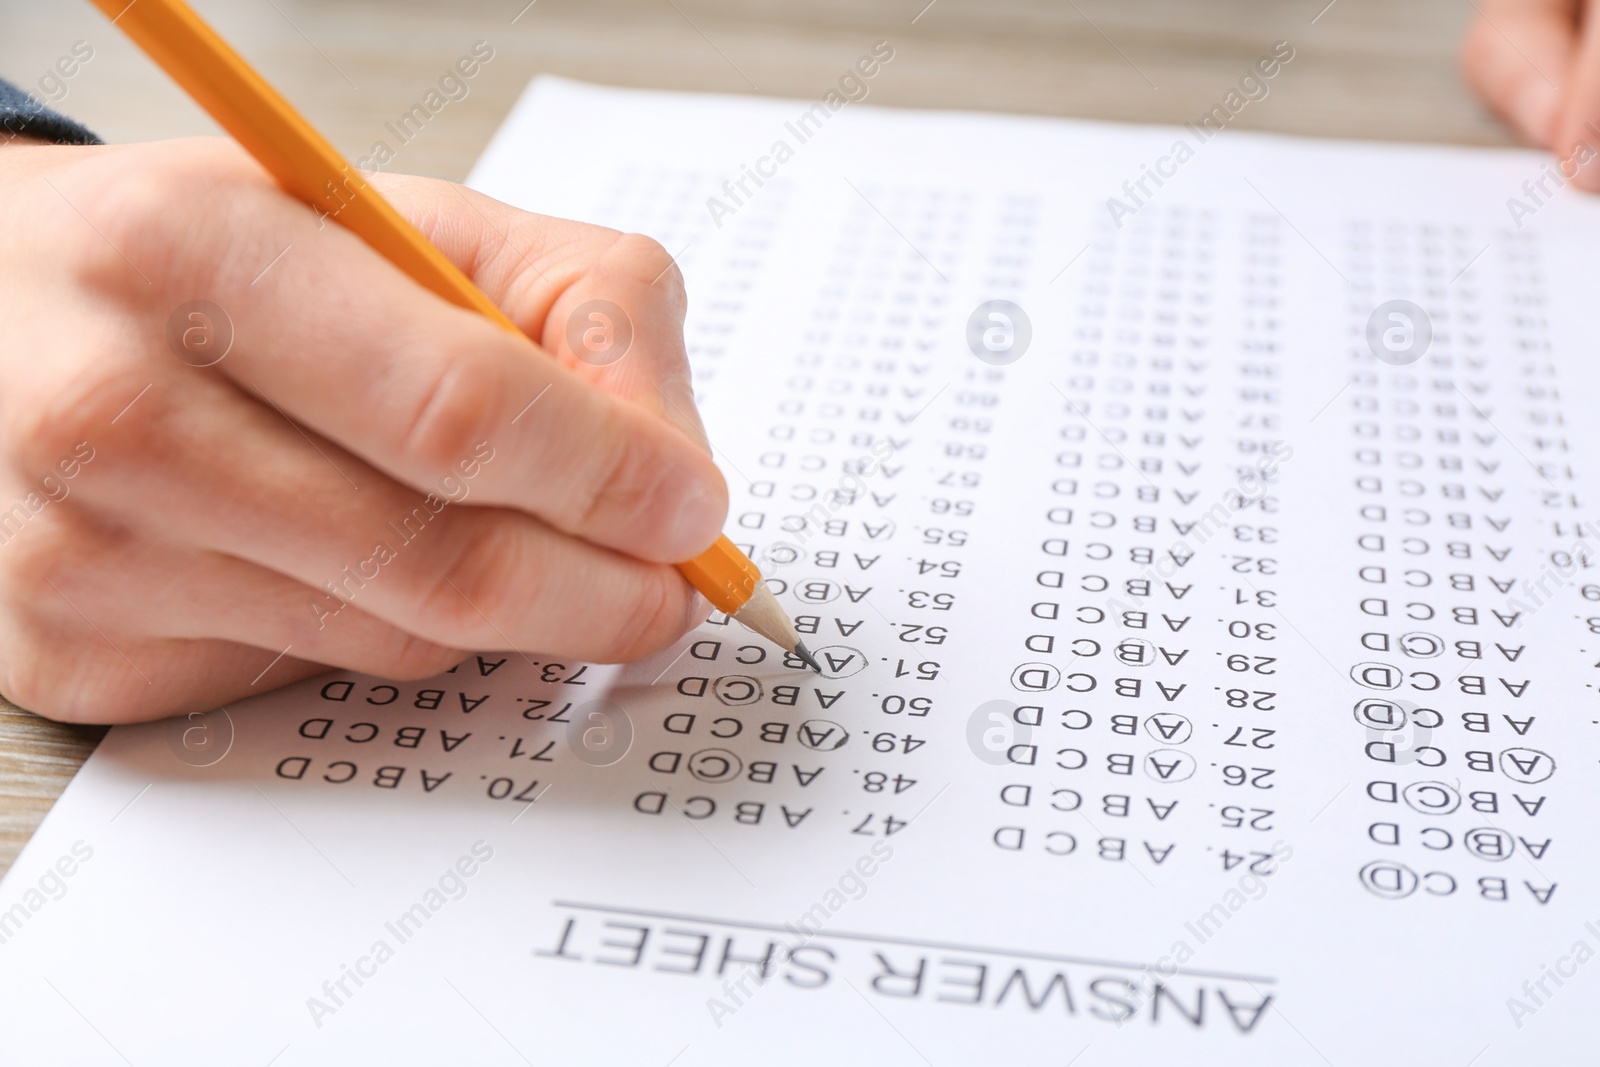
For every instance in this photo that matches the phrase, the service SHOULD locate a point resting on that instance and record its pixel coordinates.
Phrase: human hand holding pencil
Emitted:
(198, 542)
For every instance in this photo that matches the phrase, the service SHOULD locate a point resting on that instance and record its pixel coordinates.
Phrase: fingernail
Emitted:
(698, 611)
(697, 523)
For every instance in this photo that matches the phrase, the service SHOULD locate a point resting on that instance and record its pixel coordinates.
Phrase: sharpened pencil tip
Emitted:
(804, 653)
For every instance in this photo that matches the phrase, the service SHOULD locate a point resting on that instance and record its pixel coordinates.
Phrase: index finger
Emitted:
(1577, 133)
(338, 340)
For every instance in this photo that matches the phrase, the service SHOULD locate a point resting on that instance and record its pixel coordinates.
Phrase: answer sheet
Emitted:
(1204, 571)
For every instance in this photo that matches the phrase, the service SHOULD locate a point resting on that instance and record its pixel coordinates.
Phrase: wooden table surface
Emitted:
(1373, 69)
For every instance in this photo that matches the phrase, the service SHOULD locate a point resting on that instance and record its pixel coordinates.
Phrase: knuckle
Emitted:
(133, 205)
(131, 218)
(452, 411)
(658, 618)
(414, 658)
(562, 248)
(52, 662)
(66, 679)
(469, 590)
(637, 251)
(128, 211)
(64, 417)
(30, 673)
(38, 561)
(625, 482)
(644, 259)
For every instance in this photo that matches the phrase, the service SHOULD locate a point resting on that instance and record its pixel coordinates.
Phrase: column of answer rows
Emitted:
(1461, 645)
(840, 487)
(1145, 734)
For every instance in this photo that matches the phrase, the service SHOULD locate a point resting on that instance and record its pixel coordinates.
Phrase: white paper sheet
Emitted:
(1202, 688)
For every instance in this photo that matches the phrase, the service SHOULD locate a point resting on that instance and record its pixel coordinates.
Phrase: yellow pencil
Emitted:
(310, 168)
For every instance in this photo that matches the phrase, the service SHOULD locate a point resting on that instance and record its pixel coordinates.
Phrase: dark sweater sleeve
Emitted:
(23, 115)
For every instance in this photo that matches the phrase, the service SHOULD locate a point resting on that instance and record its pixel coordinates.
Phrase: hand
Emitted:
(1537, 64)
(364, 477)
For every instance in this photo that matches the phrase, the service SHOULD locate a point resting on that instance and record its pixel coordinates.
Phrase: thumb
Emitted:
(1577, 130)
(1517, 57)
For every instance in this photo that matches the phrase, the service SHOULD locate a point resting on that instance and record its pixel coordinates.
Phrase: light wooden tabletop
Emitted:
(1372, 69)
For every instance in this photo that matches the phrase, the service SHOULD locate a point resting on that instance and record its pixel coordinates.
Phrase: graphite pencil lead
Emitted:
(804, 653)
